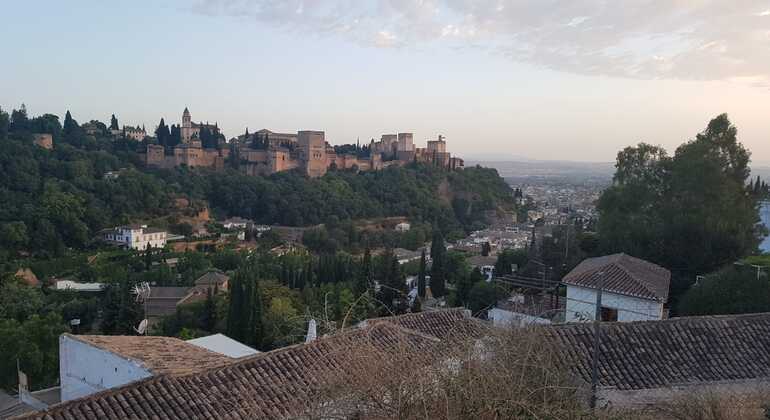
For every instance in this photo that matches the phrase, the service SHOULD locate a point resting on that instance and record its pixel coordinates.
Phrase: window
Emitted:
(609, 314)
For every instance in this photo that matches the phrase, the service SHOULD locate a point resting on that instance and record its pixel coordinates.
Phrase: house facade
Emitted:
(138, 237)
(632, 289)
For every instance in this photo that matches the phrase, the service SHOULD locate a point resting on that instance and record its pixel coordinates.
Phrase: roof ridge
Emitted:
(644, 284)
(660, 321)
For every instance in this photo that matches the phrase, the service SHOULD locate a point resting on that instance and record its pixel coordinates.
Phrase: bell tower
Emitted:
(186, 126)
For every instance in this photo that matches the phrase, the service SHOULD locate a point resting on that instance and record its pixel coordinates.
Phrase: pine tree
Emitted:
(437, 269)
(114, 123)
(421, 277)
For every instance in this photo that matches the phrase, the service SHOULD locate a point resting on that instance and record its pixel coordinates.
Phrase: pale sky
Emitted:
(558, 80)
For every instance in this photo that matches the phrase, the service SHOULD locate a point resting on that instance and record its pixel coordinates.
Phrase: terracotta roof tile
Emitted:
(654, 354)
(276, 384)
(623, 274)
(160, 355)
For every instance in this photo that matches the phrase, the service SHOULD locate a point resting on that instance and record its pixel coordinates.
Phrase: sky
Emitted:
(553, 80)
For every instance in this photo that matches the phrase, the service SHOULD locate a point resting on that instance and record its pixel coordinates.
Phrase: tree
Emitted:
(421, 277)
(364, 278)
(162, 133)
(120, 311)
(35, 344)
(210, 309)
(731, 290)
(481, 297)
(486, 248)
(691, 213)
(19, 120)
(70, 128)
(463, 289)
(437, 269)
(114, 123)
(5, 123)
(509, 258)
(244, 316)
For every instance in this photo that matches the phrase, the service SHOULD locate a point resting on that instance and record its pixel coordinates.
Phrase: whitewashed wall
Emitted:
(85, 369)
(581, 306)
(503, 318)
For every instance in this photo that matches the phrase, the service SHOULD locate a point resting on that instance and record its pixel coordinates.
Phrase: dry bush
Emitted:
(506, 374)
(698, 405)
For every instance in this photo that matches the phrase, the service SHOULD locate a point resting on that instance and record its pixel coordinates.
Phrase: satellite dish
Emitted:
(142, 328)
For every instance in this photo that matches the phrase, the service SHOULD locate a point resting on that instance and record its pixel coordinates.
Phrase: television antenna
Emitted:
(142, 293)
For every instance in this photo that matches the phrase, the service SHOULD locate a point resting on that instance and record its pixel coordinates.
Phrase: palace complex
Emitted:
(265, 152)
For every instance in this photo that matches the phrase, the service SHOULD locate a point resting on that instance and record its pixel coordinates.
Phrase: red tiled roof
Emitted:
(278, 384)
(160, 355)
(622, 274)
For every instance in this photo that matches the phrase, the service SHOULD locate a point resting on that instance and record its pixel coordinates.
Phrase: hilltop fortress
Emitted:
(265, 152)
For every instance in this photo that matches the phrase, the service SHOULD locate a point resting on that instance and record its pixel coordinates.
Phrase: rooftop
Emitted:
(622, 274)
(277, 384)
(160, 355)
(654, 354)
(222, 344)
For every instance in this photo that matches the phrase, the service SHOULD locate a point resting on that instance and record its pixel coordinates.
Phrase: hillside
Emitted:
(58, 199)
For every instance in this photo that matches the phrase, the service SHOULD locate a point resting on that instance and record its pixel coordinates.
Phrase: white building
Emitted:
(92, 363)
(236, 223)
(403, 227)
(632, 289)
(138, 237)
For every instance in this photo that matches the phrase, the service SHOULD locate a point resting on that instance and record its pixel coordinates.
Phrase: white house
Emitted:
(236, 223)
(403, 227)
(138, 237)
(632, 289)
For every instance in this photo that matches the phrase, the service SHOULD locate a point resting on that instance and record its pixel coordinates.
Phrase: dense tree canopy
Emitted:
(691, 213)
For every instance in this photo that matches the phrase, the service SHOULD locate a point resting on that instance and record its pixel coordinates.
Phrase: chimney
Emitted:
(311, 331)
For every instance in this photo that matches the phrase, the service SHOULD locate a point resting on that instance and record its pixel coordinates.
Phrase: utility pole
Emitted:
(597, 341)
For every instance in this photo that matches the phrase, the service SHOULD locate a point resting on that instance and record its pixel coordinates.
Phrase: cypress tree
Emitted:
(255, 329)
(421, 277)
(114, 123)
(235, 308)
(363, 282)
(210, 310)
(437, 274)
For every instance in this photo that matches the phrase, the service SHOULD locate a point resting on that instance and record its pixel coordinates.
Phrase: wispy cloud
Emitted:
(649, 39)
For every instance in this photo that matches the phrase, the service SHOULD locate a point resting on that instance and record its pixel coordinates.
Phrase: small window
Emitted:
(609, 314)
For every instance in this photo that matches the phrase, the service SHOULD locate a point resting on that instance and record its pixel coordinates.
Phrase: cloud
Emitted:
(647, 39)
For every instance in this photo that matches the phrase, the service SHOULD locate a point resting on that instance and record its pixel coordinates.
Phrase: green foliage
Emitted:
(691, 213)
(244, 317)
(34, 342)
(733, 290)
(120, 313)
(438, 266)
(421, 277)
(481, 297)
(508, 258)
(5, 123)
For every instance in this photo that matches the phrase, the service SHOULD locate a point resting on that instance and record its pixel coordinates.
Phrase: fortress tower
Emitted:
(186, 131)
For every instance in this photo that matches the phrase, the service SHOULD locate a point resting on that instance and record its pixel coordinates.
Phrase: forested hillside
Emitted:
(58, 199)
